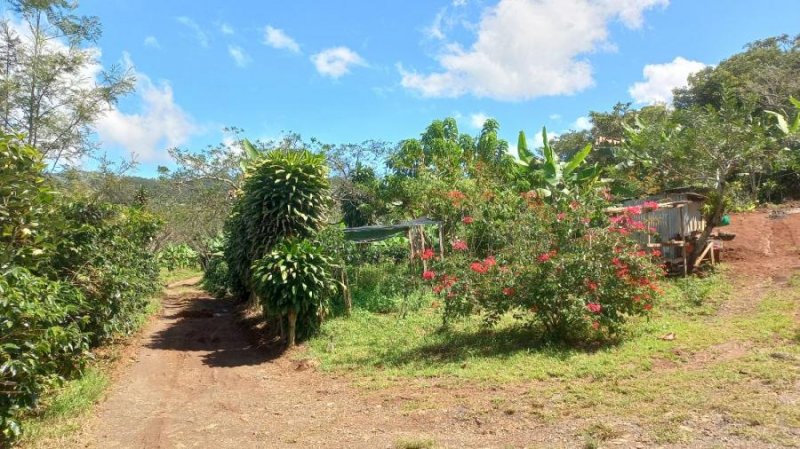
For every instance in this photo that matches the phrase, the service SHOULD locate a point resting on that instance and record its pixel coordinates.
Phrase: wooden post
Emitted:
(441, 241)
(699, 260)
(292, 326)
(411, 244)
(422, 247)
(348, 299)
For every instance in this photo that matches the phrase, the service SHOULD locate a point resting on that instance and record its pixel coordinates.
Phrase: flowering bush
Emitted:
(566, 267)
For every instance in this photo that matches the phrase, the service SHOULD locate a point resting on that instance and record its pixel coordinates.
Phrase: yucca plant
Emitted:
(294, 280)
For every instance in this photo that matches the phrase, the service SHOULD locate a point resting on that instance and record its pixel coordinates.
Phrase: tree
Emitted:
(763, 76)
(53, 87)
(704, 147)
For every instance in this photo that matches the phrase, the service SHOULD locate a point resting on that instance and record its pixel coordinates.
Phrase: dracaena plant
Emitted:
(294, 280)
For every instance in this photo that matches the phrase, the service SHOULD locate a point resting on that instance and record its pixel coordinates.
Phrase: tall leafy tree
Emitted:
(704, 147)
(52, 86)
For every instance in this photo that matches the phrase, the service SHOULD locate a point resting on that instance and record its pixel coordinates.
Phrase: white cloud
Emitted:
(435, 31)
(459, 2)
(240, 57)
(582, 124)
(159, 124)
(199, 34)
(151, 41)
(529, 48)
(477, 120)
(555, 117)
(226, 28)
(335, 62)
(277, 38)
(661, 79)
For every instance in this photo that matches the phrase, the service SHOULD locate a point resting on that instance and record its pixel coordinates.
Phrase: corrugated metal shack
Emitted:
(677, 222)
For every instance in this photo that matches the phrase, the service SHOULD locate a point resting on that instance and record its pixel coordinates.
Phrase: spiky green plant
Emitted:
(294, 280)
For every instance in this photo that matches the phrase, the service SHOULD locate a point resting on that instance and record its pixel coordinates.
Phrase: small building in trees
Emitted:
(675, 226)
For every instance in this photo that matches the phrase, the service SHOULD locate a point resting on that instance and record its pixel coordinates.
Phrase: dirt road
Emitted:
(196, 381)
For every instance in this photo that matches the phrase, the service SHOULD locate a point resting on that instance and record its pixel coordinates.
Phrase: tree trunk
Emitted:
(717, 209)
(292, 327)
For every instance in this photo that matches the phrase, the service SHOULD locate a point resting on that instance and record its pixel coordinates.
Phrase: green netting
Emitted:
(382, 232)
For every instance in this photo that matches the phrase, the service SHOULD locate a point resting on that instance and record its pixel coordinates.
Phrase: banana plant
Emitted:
(783, 121)
(550, 176)
(250, 154)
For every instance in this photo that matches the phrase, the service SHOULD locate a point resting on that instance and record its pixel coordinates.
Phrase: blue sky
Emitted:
(346, 71)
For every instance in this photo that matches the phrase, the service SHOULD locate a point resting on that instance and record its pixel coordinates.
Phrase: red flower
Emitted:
(633, 210)
(544, 257)
(561, 216)
(455, 195)
(574, 205)
(428, 254)
(594, 307)
(489, 262)
(478, 267)
(591, 285)
(459, 245)
(586, 220)
(648, 307)
(467, 220)
(428, 275)
(508, 291)
(656, 253)
(650, 205)
(595, 325)
(438, 289)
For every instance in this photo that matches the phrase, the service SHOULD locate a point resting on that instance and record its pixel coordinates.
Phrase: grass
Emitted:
(415, 443)
(64, 410)
(179, 274)
(731, 366)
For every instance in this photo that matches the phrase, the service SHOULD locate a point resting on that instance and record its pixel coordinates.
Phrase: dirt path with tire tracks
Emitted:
(196, 381)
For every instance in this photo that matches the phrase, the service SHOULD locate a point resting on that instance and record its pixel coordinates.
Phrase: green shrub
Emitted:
(567, 269)
(41, 343)
(177, 256)
(74, 273)
(103, 250)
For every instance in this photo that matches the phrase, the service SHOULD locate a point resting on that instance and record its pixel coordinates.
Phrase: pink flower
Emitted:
(508, 291)
(591, 285)
(489, 262)
(574, 205)
(459, 245)
(561, 216)
(467, 220)
(633, 210)
(547, 256)
(650, 205)
(595, 325)
(594, 307)
(428, 275)
(428, 254)
(478, 267)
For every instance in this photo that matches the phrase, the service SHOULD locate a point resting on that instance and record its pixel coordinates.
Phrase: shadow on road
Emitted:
(197, 322)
